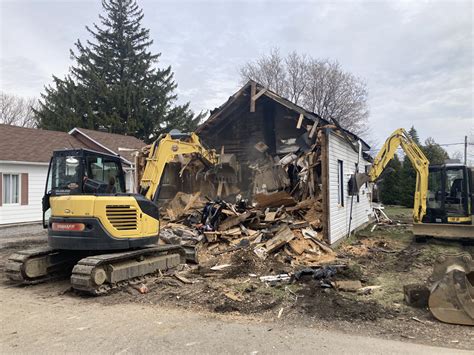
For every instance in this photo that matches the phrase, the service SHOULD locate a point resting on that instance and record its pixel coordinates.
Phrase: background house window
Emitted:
(340, 183)
(11, 189)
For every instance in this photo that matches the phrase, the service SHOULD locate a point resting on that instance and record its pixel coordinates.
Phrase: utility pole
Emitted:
(465, 150)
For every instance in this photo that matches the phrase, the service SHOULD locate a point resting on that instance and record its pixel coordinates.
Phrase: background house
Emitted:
(24, 160)
(256, 115)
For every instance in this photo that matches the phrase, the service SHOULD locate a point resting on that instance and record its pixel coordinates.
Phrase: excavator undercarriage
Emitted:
(91, 273)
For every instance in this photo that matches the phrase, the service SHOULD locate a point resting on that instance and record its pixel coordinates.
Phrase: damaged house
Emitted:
(280, 147)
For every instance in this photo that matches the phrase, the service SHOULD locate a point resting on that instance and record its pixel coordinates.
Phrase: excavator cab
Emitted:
(449, 197)
(82, 172)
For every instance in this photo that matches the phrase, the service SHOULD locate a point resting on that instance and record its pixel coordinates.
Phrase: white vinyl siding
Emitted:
(339, 151)
(17, 213)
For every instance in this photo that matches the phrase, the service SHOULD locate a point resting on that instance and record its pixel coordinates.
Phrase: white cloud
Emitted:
(416, 56)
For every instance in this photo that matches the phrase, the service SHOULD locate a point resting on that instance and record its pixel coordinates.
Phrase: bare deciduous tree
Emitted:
(320, 86)
(17, 111)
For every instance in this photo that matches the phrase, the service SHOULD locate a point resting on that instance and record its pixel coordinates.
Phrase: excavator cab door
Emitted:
(47, 194)
(449, 195)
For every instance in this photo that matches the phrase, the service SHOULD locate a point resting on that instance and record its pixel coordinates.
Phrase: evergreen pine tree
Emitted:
(412, 132)
(115, 82)
(434, 152)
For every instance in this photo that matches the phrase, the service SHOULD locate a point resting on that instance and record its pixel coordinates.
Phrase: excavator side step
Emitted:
(99, 274)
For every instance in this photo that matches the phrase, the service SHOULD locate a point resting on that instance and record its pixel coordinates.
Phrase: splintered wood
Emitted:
(279, 227)
(283, 236)
(276, 199)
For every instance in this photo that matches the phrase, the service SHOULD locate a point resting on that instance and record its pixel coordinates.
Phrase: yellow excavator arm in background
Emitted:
(400, 138)
(163, 151)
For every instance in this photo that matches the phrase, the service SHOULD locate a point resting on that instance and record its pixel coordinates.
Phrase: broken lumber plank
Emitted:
(270, 216)
(192, 201)
(283, 236)
(300, 121)
(233, 221)
(299, 225)
(275, 199)
(309, 233)
(234, 296)
(298, 245)
(313, 130)
(347, 285)
(253, 92)
(170, 214)
(212, 236)
(183, 279)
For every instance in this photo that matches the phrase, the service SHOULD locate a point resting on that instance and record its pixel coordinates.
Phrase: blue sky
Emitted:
(416, 56)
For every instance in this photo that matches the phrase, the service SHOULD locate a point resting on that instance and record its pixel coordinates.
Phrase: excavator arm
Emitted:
(400, 138)
(163, 151)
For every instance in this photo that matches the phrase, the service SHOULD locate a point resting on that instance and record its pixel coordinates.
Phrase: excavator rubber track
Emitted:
(99, 274)
(38, 265)
(452, 294)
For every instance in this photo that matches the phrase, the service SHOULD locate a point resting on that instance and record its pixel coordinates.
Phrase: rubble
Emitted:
(217, 229)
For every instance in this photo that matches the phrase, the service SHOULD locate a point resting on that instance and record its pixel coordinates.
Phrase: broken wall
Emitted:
(240, 130)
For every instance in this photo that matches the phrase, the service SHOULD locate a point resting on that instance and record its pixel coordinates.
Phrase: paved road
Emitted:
(34, 324)
(19, 233)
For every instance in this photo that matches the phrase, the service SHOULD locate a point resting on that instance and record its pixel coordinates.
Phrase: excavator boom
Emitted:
(163, 151)
(400, 138)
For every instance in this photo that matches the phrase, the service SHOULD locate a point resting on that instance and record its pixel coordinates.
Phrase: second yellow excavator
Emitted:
(443, 205)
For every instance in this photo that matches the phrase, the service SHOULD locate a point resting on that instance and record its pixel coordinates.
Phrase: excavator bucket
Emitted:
(225, 175)
(452, 295)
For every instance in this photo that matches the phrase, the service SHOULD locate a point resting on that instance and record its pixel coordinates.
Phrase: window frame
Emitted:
(18, 186)
(340, 183)
(356, 170)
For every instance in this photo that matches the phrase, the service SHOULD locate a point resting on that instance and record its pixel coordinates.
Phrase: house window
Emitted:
(340, 183)
(11, 189)
(356, 171)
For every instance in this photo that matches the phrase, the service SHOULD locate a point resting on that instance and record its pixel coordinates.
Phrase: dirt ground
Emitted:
(386, 257)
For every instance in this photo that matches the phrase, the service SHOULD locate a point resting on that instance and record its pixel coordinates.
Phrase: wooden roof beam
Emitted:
(254, 96)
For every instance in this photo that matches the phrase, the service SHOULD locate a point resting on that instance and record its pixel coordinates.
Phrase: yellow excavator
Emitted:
(105, 235)
(443, 205)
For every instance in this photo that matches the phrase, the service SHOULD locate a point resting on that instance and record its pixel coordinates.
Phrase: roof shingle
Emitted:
(33, 145)
(37, 145)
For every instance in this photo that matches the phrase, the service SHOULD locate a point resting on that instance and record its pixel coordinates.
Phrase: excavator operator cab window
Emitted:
(66, 175)
(435, 189)
(105, 173)
(454, 191)
(448, 193)
(78, 171)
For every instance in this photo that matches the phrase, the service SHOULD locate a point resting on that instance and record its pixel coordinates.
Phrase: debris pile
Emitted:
(274, 226)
